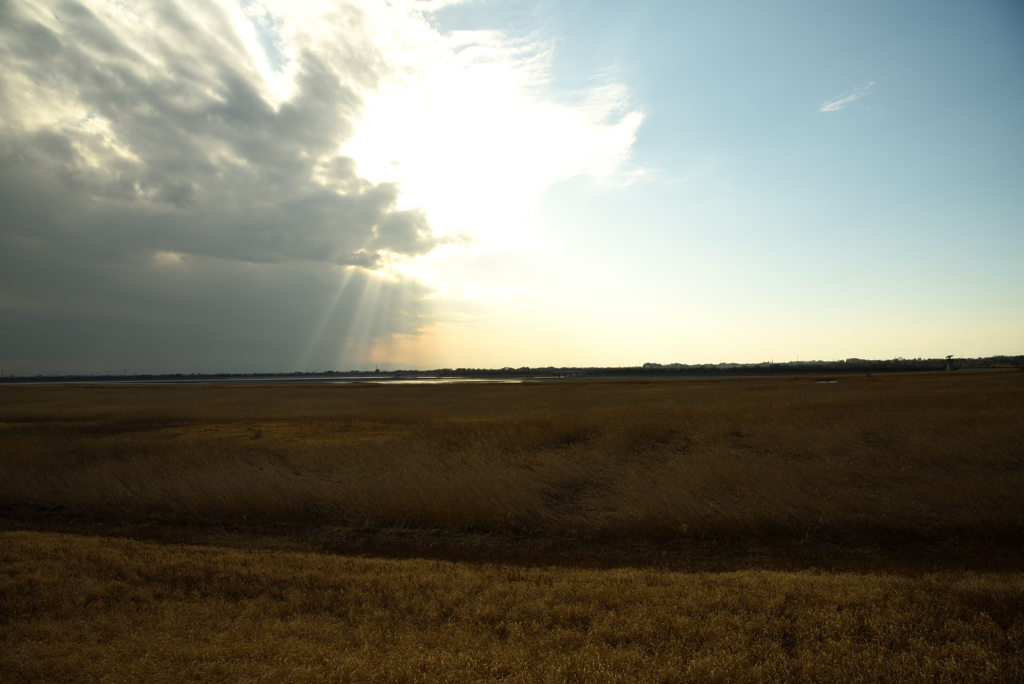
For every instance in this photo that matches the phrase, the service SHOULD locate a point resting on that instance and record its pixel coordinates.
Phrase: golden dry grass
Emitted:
(80, 609)
(868, 459)
(637, 477)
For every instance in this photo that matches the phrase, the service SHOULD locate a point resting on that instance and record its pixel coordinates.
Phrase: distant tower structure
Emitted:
(949, 362)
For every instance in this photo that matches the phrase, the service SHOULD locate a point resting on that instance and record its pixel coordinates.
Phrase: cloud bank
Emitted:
(151, 129)
(183, 189)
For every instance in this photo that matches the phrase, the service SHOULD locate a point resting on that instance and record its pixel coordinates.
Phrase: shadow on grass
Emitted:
(906, 555)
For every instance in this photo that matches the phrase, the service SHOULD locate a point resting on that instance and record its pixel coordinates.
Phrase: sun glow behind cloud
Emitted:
(470, 130)
(470, 137)
(467, 126)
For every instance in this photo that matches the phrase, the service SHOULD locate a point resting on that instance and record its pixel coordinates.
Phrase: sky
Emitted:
(244, 186)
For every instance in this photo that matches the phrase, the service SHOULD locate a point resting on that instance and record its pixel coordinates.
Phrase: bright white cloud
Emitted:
(846, 98)
(469, 134)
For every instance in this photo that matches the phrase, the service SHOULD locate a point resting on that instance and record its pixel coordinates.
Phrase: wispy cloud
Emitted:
(846, 98)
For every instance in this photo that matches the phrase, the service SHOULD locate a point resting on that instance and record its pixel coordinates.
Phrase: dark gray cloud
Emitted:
(195, 314)
(160, 206)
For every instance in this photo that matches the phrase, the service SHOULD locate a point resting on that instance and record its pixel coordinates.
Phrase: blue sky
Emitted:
(214, 185)
(888, 224)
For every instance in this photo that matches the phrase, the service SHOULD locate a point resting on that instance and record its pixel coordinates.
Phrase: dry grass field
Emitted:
(669, 528)
(867, 459)
(81, 609)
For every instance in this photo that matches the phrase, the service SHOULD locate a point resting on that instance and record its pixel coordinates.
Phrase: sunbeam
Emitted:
(316, 337)
(357, 334)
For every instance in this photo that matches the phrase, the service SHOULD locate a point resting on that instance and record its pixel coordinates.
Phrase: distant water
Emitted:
(424, 381)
